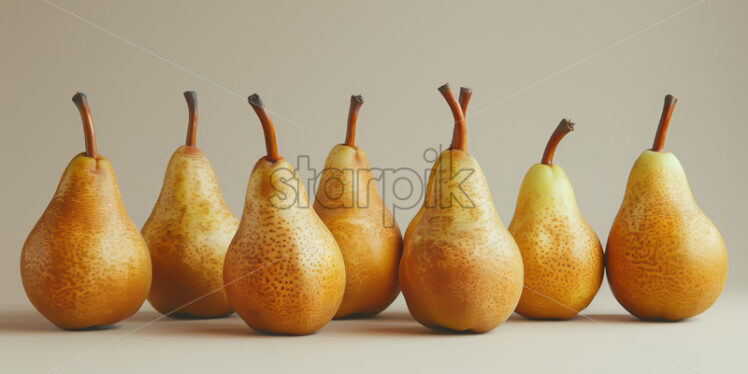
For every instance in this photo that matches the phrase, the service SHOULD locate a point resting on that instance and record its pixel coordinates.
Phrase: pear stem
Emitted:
(667, 112)
(271, 145)
(350, 135)
(88, 127)
(465, 94)
(562, 129)
(459, 136)
(191, 98)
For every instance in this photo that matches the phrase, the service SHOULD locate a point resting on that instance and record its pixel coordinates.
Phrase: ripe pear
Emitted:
(349, 204)
(461, 269)
(85, 264)
(665, 259)
(188, 234)
(562, 255)
(283, 272)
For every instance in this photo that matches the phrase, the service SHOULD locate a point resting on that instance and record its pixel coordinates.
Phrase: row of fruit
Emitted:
(285, 268)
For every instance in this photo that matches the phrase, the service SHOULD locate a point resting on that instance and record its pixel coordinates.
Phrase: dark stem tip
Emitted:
(357, 98)
(567, 125)
(255, 100)
(190, 96)
(80, 99)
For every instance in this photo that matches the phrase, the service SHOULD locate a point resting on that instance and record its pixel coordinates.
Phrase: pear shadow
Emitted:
(152, 315)
(191, 317)
(584, 317)
(394, 316)
(383, 316)
(243, 331)
(628, 318)
(609, 318)
(412, 330)
(146, 316)
(31, 321)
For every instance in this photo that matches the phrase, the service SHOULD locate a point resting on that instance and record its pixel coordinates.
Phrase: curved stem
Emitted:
(271, 145)
(350, 135)
(459, 136)
(88, 127)
(562, 129)
(465, 94)
(667, 112)
(191, 98)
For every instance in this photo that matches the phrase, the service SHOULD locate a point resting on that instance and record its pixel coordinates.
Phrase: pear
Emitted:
(349, 204)
(85, 264)
(665, 259)
(188, 234)
(283, 272)
(562, 255)
(460, 270)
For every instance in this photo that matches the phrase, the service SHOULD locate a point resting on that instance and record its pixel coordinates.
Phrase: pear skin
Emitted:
(461, 269)
(368, 236)
(85, 264)
(665, 258)
(562, 255)
(283, 272)
(188, 233)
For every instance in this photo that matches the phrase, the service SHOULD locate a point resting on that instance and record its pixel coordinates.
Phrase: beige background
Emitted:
(605, 64)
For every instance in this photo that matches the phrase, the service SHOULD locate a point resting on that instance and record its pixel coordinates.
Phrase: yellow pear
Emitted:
(562, 255)
(460, 270)
(188, 234)
(665, 258)
(283, 272)
(85, 264)
(349, 204)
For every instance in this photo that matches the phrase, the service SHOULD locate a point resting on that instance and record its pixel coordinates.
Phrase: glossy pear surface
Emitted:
(284, 272)
(460, 269)
(562, 256)
(188, 234)
(349, 204)
(85, 264)
(665, 258)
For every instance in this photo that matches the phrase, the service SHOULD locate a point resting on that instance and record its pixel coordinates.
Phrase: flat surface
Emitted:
(605, 339)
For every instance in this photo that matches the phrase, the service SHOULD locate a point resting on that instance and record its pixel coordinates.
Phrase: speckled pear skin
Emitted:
(562, 255)
(461, 269)
(188, 233)
(368, 236)
(284, 272)
(665, 258)
(419, 215)
(84, 263)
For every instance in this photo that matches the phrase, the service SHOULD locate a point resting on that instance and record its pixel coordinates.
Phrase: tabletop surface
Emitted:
(392, 341)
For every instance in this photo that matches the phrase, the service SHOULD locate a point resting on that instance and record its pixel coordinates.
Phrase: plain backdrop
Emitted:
(605, 64)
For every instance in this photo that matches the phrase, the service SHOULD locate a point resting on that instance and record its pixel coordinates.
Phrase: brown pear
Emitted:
(665, 258)
(562, 255)
(461, 269)
(349, 204)
(85, 264)
(188, 233)
(283, 272)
